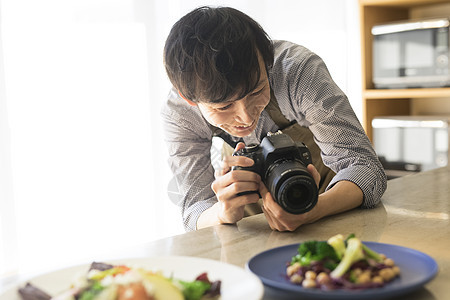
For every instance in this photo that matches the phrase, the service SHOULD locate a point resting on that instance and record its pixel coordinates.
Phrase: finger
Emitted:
(232, 210)
(230, 161)
(242, 161)
(235, 182)
(247, 199)
(314, 173)
(239, 146)
(268, 217)
(267, 198)
(242, 188)
(272, 221)
(223, 169)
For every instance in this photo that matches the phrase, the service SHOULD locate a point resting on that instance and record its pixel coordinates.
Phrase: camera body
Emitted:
(281, 163)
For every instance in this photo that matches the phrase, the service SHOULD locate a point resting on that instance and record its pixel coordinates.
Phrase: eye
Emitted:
(225, 107)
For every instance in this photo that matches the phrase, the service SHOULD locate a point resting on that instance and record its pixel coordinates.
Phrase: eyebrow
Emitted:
(258, 88)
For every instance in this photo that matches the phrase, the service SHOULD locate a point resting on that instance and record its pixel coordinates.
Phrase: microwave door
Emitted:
(411, 55)
(387, 56)
(406, 57)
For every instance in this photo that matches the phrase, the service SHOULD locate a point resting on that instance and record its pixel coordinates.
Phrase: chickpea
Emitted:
(396, 270)
(387, 274)
(310, 275)
(309, 283)
(292, 269)
(364, 277)
(357, 271)
(389, 262)
(296, 278)
(377, 279)
(323, 278)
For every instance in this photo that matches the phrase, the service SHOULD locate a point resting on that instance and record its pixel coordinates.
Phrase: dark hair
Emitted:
(211, 54)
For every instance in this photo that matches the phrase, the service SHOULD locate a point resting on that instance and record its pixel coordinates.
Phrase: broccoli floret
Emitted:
(313, 251)
(338, 244)
(308, 246)
(352, 254)
(323, 250)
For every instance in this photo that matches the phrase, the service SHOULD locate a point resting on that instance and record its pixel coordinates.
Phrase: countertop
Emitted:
(414, 213)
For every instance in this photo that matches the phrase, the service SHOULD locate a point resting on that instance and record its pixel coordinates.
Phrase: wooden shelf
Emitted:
(400, 3)
(406, 93)
(389, 102)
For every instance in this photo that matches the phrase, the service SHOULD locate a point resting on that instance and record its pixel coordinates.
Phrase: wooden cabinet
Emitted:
(388, 102)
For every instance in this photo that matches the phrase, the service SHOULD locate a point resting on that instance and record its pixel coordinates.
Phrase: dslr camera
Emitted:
(281, 163)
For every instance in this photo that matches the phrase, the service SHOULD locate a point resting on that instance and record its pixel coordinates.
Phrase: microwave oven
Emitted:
(412, 143)
(412, 54)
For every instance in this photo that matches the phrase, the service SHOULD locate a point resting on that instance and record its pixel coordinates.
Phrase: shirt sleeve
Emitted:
(315, 101)
(189, 140)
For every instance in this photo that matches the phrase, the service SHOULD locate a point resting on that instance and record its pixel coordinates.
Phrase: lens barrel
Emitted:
(292, 187)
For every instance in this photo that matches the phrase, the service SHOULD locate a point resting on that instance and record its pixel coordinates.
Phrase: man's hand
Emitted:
(227, 186)
(281, 220)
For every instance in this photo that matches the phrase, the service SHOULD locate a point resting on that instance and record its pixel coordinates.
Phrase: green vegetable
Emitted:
(353, 253)
(93, 291)
(337, 254)
(368, 252)
(372, 254)
(314, 251)
(194, 290)
(338, 244)
(350, 236)
(353, 277)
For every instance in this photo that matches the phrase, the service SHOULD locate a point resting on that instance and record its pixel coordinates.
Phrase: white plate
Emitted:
(237, 283)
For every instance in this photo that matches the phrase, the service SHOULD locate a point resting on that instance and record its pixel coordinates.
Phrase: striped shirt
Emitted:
(306, 93)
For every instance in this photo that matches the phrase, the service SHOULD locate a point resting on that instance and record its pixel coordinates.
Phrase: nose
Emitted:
(242, 114)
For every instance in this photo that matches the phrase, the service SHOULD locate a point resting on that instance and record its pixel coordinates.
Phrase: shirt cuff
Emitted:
(371, 179)
(193, 212)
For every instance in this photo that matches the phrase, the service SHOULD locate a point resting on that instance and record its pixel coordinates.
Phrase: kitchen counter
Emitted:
(415, 213)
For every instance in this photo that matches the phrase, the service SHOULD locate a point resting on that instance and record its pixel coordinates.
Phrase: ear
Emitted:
(187, 100)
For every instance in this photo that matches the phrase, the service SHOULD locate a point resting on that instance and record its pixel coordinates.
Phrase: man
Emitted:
(230, 80)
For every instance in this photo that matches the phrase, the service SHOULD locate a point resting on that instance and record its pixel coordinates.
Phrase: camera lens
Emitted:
(296, 194)
(292, 187)
(296, 191)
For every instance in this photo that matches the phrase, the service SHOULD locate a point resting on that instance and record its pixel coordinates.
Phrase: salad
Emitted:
(340, 264)
(120, 282)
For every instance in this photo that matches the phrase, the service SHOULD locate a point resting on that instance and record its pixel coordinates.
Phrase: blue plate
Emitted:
(416, 269)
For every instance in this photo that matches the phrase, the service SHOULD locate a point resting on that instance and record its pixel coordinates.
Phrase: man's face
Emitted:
(239, 117)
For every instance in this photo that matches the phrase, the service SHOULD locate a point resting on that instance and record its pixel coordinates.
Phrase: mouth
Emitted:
(244, 127)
